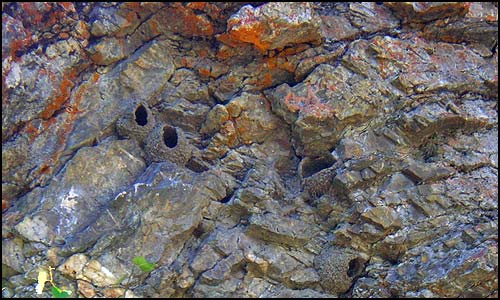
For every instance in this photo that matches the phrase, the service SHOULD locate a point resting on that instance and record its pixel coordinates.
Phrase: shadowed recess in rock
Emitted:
(170, 136)
(311, 166)
(355, 267)
(141, 115)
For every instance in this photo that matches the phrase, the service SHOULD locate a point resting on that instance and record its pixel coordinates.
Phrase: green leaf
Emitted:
(121, 279)
(144, 264)
(58, 293)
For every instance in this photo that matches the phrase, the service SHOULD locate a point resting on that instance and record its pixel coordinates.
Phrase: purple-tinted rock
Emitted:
(371, 17)
(427, 11)
(85, 185)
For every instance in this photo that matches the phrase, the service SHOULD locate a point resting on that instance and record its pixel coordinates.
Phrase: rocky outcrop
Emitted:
(251, 150)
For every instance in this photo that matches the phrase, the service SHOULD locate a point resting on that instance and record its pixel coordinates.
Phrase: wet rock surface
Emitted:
(251, 150)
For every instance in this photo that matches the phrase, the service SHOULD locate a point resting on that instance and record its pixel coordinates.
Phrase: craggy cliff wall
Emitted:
(259, 150)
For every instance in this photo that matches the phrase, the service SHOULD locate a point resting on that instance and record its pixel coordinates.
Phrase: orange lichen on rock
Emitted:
(205, 72)
(30, 8)
(229, 40)
(210, 9)
(309, 105)
(197, 5)
(273, 63)
(251, 34)
(288, 66)
(224, 53)
(382, 67)
(66, 127)
(229, 131)
(5, 204)
(491, 18)
(64, 35)
(187, 62)
(186, 22)
(274, 26)
(19, 44)
(294, 50)
(63, 95)
(203, 53)
(95, 77)
(68, 6)
(44, 169)
(153, 24)
(32, 131)
(266, 81)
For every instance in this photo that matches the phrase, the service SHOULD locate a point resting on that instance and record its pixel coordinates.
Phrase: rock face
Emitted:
(259, 150)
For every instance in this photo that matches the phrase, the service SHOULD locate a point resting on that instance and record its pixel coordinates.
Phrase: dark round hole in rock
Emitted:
(170, 136)
(226, 199)
(313, 165)
(355, 267)
(141, 115)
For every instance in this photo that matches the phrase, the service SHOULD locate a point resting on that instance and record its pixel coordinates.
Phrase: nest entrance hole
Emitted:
(141, 116)
(170, 136)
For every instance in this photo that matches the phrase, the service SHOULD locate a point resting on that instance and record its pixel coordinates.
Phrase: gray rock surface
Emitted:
(250, 150)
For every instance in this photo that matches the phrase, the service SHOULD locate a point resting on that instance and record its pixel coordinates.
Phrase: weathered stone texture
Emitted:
(250, 150)
(275, 25)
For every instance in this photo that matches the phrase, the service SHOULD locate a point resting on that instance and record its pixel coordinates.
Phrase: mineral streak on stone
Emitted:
(250, 150)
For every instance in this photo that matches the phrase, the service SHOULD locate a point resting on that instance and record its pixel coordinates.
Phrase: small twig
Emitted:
(50, 274)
